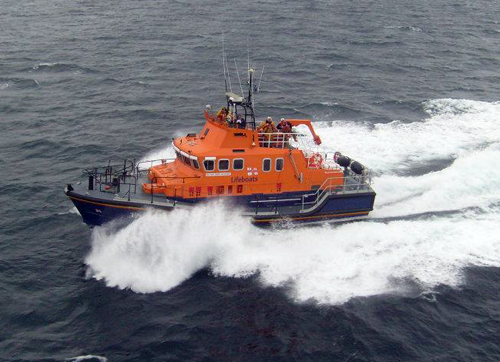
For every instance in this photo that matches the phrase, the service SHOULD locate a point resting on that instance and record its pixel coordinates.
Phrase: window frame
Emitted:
(270, 164)
(209, 160)
(228, 164)
(195, 163)
(242, 164)
(282, 164)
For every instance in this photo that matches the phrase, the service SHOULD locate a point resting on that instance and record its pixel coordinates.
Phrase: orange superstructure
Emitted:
(228, 161)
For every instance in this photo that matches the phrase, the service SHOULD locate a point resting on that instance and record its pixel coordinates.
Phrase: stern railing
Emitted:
(121, 178)
(351, 182)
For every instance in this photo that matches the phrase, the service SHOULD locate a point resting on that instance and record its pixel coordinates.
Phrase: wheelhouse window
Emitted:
(279, 164)
(189, 160)
(209, 164)
(196, 165)
(266, 165)
(223, 165)
(238, 164)
(186, 160)
(183, 157)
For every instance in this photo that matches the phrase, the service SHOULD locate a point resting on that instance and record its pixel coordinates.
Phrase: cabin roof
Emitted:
(236, 99)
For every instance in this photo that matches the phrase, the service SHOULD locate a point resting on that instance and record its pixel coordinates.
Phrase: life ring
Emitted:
(315, 161)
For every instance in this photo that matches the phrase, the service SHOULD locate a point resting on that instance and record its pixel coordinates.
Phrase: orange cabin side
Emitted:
(224, 161)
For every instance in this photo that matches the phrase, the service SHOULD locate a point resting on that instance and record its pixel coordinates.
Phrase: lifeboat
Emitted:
(269, 172)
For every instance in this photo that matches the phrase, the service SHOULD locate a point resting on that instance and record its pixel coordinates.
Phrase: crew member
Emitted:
(224, 116)
(286, 127)
(267, 127)
(240, 122)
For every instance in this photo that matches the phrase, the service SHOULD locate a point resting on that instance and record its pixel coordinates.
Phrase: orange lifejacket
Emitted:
(222, 115)
(267, 127)
(286, 127)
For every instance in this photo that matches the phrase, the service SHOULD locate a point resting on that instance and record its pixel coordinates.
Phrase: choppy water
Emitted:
(409, 89)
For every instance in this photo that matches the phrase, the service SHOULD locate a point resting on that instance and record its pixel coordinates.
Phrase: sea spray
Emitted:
(329, 264)
(160, 250)
(454, 127)
(424, 230)
(470, 181)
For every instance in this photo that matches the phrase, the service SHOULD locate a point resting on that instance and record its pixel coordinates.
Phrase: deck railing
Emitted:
(122, 177)
(334, 185)
(351, 182)
(316, 156)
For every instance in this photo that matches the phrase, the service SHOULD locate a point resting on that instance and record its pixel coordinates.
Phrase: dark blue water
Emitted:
(408, 88)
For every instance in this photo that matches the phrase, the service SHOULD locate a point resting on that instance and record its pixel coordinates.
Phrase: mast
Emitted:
(224, 62)
(248, 105)
(234, 100)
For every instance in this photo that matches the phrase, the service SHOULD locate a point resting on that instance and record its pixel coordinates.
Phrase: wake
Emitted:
(425, 230)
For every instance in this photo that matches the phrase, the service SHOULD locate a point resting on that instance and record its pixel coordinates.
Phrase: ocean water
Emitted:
(410, 89)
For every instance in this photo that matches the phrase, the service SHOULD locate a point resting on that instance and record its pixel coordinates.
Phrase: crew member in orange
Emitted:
(223, 115)
(268, 127)
(286, 127)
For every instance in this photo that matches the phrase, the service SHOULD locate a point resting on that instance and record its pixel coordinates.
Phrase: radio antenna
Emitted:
(224, 62)
(225, 66)
(238, 73)
(260, 80)
(248, 57)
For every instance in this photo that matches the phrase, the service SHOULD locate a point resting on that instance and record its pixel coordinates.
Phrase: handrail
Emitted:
(277, 139)
(361, 182)
(328, 187)
(174, 177)
(127, 174)
(116, 175)
(151, 162)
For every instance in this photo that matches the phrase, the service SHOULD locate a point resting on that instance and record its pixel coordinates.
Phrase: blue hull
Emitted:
(335, 207)
(95, 211)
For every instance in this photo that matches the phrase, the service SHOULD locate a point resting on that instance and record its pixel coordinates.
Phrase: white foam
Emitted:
(44, 65)
(332, 264)
(160, 250)
(329, 264)
(454, 127)
(160, 154)
(87, 357)
(74, 210)
(471, 181)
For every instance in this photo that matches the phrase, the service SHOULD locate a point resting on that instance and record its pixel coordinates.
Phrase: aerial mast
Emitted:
(249, 100)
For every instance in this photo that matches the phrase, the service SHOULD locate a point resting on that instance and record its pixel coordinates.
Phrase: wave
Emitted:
(471, 181)
(415, 29)
(18, 83)
(424, 232)
(453, 128)
(328, 264)
(90, 358)
(60, 68)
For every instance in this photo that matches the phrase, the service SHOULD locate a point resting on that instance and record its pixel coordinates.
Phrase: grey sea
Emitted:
(409, 88)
